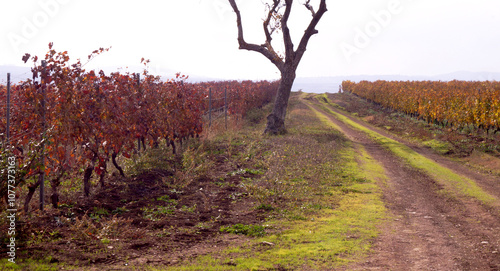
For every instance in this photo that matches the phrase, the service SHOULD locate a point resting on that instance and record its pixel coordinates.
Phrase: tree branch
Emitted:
(311, 30)
(263, 49)
(287, 39)
(309, 7)
(272, 10)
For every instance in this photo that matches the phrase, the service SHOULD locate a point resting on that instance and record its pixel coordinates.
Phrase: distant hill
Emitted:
(331, 84)
(306, 84)
(18, 73)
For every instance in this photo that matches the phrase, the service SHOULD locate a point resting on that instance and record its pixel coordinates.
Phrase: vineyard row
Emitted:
(453, 103)
(80, 120)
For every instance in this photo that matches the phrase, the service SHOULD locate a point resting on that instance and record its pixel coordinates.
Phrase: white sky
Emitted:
(198, 37)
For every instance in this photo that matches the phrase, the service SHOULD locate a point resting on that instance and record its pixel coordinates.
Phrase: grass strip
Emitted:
(452, 181)
(329, 238)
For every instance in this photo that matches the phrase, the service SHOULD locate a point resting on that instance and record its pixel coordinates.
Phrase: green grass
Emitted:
(156, 213)
(453, 182)
(249, 230)
(439, 146)
(30, 265)
(120, 210)
(336, 225)
(333, 238)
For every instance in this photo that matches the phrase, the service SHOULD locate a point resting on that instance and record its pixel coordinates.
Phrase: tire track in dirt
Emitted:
(487, 182)
(427, 230)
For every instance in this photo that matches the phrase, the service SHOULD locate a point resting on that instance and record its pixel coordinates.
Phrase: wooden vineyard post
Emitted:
(138, 78)
(225, 107)
(8, 110)
(42, 157)
(210, 107)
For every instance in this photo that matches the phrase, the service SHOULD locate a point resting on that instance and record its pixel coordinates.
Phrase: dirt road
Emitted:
(428, 229)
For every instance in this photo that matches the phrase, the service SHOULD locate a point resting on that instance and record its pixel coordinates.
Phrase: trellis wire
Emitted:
(222, 108)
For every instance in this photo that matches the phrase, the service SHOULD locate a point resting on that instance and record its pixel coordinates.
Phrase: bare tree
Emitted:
(277, 19)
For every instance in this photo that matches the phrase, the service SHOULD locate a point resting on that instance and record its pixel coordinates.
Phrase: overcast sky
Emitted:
(198, 37)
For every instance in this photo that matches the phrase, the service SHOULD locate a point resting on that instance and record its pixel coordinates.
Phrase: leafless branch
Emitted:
(263, 49)
(287, 65)
(311, 30)
(270, 15)
(309, 7)
(287, 39)
(292, 57)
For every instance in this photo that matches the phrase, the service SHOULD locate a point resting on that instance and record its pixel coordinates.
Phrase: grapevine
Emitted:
(92, 117)
(455, 103)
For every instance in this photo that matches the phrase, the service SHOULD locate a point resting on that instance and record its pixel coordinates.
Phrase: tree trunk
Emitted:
(113, 159)
(6, 202)
(276, 120)
(172, 143)
(86, 180)
(103, 175)
(143, 139)
(55, 194)
(87, 174)
(31, 191)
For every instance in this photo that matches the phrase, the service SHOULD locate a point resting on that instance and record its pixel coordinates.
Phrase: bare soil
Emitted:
(112, 228)
(428, 230)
